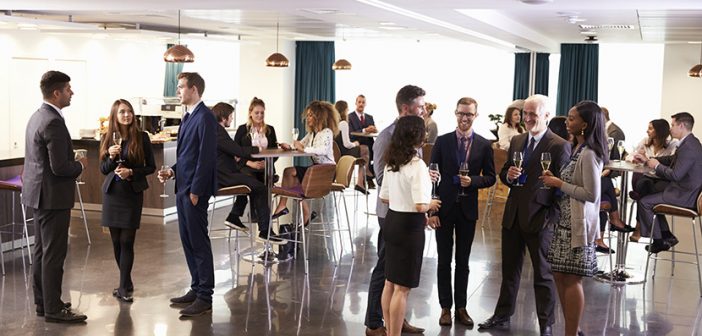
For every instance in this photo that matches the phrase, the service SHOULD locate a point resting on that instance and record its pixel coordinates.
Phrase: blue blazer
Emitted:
(196, 155)
(482, 172)
(356, 126)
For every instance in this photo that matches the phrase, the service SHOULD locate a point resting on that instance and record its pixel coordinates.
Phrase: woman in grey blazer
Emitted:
(572, 251)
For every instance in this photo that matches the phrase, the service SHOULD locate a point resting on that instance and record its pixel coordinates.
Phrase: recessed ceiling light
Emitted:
(387, 23)
(321, 11)
(536, 2)
(588, 32)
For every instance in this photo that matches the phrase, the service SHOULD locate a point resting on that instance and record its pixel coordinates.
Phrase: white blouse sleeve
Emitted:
(344, 129)
(385, 188)
(322, 143)
(503, 136)
(421, 182)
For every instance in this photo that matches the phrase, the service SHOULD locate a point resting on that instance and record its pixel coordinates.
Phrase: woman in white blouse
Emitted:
(348, 147)
(510, 127)
(407, 188)
(321, 122)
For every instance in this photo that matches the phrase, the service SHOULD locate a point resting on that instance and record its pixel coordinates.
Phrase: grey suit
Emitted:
(683, 170)
(49, 183)
(529, 215)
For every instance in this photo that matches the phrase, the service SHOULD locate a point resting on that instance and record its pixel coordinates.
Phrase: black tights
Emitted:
(123, 245)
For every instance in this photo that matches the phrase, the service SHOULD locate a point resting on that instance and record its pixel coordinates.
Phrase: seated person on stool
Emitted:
(228, 174)
(683, 171)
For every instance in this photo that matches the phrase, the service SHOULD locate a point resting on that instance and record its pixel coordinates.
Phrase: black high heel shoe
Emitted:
(124, 298)
(283, 212)
(626, 229)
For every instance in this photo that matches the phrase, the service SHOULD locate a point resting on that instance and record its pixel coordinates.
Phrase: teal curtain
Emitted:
(578, 76)
(521, 75)
(170, 81)
(314, 78)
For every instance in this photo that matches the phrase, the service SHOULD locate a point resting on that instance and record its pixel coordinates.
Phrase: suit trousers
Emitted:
(259, 199)
(644, 214)
(50, 246)
(514, 242)
(454, 221)
(374, 311)
(192, 223)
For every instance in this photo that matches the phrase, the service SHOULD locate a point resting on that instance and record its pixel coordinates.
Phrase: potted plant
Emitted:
(497, 119)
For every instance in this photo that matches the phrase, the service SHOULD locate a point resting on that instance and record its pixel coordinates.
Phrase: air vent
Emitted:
(606, 26)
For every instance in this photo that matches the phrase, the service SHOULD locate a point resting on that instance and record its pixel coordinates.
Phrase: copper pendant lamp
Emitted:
(696, 71)
(341, 64)
(277, 59)
(179, 53)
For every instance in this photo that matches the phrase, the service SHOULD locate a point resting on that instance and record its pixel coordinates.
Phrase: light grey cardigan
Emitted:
(584, 194)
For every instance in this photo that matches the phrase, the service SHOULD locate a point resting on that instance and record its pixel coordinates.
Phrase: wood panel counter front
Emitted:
(164, 153)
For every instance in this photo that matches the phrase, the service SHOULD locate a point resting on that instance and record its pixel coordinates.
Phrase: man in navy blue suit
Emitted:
(195, 172)
(459, 212)
(362, 122)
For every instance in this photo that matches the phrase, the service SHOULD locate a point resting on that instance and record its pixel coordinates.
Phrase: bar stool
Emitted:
(344, 171)
(234, 191)
(14, 185)
(499, 159)
(676, 211)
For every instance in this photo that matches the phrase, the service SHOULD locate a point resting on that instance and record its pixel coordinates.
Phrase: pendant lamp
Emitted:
(179, 53)
(696, 71)
(341, 64)
(277, 59)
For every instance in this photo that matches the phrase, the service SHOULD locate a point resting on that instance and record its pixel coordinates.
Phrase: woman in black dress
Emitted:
(126, 165)
(407, 188)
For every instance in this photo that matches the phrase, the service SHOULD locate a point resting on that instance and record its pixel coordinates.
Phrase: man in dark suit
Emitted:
(195, 172)
(613, 131)
(682, 175)
(359, 121)
(459, 212)
(49, 178)
(228, 174)
(530, 213)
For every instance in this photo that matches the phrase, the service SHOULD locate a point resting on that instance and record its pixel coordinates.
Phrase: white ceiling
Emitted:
(501, 23)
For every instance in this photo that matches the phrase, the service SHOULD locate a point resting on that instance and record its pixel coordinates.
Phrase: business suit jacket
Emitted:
(196, 155)
(614, 131)
(482, 172)
(50, 169)
(684, 171)
(227, 149)
(355, 125)
(531, 207)
(140, 169)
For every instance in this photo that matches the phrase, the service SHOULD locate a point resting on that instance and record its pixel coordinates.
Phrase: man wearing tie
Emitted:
(49, 183)
(359, 121)
(195, 172)
(459, 199)
(529, 216)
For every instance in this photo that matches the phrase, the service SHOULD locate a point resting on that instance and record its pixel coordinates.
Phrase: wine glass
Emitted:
(117, 138)
(164, 171)
(295, 134)
(610, 143)
(463, 170)
(545, 164)
(518, 157)
(621, 148)
(79, 154)
(434, 167)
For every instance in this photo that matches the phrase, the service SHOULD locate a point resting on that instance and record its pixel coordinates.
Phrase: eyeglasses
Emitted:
(464, 115)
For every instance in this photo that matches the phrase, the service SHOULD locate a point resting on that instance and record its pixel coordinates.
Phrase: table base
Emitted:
(621, 277)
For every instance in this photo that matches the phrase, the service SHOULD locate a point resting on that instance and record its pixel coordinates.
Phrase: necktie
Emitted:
(363, 120)
(529, 150)
(462, 150)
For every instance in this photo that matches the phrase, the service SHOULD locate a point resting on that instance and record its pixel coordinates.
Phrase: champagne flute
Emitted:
(434, 167)
(117, 138)
(295, 134)
(620, 148)
(164, 171)
(545, 164)
(610, 143)
(463, 170)
(518, 157)
(80, 154)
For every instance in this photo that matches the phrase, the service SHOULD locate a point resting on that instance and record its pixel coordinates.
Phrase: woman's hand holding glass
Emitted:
(298, 146)
(550, 181)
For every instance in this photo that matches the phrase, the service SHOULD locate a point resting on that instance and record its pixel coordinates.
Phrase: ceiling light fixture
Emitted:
(696, 71)
(536, 2)
(277, 59)
(342, 64)
(179, 53)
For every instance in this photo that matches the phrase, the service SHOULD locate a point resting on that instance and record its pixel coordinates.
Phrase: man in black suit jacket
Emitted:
(228, 174)
(49, 178)
(359, 121)
(459, 212)
(682, 175)
(530, 213)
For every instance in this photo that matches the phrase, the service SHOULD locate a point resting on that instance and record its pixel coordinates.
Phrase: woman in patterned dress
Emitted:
(572, 251)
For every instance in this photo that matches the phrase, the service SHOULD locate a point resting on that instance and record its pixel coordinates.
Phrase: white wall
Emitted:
(680, 92)
(447, 70)
(218, 64)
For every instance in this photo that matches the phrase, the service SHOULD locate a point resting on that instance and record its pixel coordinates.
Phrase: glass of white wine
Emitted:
(295, 134)
(610, 144)
(545, 164)
(434, 167)
(463, 170)
(79, 154)
(621, 147)
(117, 138)
(164, 171)
(517, 158)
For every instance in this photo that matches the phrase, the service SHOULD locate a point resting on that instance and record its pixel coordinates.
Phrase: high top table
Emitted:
(619, 275)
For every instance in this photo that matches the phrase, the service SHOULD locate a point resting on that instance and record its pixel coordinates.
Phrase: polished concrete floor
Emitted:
(251, 299)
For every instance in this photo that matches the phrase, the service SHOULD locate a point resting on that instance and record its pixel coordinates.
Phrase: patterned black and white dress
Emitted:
(564, 258)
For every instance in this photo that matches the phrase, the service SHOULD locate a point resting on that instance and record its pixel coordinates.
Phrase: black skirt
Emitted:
(121, 206)
(404, 247)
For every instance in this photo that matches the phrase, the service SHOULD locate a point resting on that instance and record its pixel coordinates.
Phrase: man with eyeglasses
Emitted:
(458, 190)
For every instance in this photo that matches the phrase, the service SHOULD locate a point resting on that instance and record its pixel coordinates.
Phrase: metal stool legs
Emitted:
(82, 211)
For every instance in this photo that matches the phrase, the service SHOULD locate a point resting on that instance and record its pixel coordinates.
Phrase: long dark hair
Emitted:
(508, 119)
(132, 132)
(408, 135)
(662, 129)
(595, 133)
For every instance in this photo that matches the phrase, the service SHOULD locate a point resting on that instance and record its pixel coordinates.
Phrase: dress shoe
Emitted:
(283, 212)
(463, 317)
(189, 297)
(546, 331)
(274, 239)
(65, 315)
(626, 228)
(40, 308)
(445, 319)
(410, 329)
(124, 297)
(376, 332)
(362, 190)
(495, 322)
(197, 308)
(671, 240)
(234, 222)
(604, 249)
(658, 245)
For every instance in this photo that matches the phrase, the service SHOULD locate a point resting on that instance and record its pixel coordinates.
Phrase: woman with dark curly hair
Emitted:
(407, 189)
